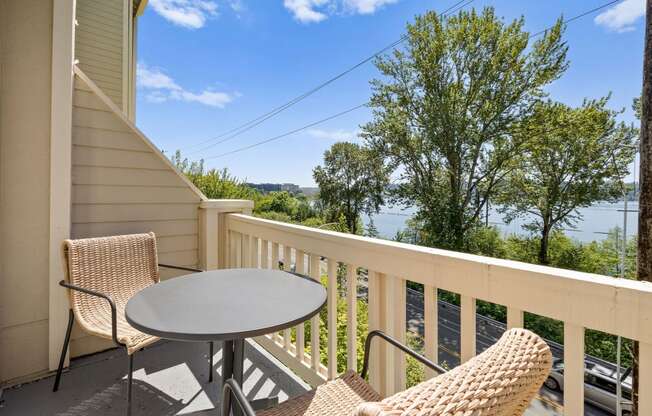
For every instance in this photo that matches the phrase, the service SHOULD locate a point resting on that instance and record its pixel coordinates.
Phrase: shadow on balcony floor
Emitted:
(170, 378)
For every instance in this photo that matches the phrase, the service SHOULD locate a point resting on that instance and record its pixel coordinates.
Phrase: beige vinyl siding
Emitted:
(26, 43)
(100, 45)
(122, 185)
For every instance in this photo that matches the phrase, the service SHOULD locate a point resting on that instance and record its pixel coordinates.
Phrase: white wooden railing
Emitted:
(580, 300)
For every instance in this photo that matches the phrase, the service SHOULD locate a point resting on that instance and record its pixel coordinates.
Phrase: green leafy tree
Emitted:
(574, 158)
(214, 183)
(280, 202)
(445, 109)
(351, 182)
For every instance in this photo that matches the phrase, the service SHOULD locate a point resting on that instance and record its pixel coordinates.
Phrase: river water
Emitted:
(596, 220)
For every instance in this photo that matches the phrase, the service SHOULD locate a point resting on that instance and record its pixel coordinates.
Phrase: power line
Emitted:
(233, 133)
(241, 149)
(579, 16)
(280, 136)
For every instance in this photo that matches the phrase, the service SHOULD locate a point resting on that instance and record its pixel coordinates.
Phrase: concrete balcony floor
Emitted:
(170, 378)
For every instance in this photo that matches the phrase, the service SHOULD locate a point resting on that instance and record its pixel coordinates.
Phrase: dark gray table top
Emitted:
(225, 304)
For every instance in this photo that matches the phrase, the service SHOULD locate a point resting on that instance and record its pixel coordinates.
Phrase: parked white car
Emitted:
(599, 386)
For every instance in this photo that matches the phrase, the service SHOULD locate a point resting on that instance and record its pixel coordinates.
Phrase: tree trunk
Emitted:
(644, 269)
(543, 246)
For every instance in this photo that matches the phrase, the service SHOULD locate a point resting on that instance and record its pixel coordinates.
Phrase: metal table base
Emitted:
(233, 367)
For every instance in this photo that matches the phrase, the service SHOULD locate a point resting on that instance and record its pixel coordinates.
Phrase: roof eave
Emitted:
(139, 7)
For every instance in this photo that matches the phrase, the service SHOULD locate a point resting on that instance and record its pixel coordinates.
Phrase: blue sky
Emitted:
(207, 66)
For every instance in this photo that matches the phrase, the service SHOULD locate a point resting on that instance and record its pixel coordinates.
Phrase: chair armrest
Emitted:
(232, 388)
(367, 348)
(114, 313)
(188, 269)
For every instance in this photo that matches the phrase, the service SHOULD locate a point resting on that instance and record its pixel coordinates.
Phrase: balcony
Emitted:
(171, 376)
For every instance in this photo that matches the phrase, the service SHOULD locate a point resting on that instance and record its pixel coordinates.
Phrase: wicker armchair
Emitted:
(102, 275)
(501, 381)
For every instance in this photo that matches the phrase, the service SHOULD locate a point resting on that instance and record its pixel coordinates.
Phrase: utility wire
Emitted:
(237, 131)
(280, 136)
(241, 149)
(579, 16)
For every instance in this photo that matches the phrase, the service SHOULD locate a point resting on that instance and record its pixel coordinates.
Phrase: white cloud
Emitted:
(211, 98)
(621, 17)
(161, 88)
(190, 14)
(154, 79)
(312, 11)
(335, 135)
(366, 6)
(304, 10)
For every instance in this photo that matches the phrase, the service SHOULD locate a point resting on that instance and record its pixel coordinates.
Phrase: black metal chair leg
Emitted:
(210, 363)
(130, 381)
(64, 350)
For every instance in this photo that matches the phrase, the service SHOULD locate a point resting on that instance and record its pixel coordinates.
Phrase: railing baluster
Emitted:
(264, 254)
(246, 254)
(400, 330)
(332, 319)
(644, 378)
(315, 353)
(514, 318)
(264, 263)
(468, 330)
(254, 262)
(352, 317)
(431, 325)
(287, 266)
(574, 370)
(275, 266)
(301, 331)
(274, 256)
(238, 250)
(377, 311)
(230, 249)
(395, 295)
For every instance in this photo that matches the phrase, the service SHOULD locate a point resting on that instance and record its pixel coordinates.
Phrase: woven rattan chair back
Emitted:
(501, 381)
(118, 266)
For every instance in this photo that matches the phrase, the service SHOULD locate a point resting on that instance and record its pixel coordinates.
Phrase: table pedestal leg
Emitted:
(238, 369)
(233, 367)
(227, 368)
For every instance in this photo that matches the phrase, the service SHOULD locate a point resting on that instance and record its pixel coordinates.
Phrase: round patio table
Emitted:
(225, 305)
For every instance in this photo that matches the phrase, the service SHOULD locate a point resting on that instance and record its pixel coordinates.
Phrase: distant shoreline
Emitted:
(597, 220)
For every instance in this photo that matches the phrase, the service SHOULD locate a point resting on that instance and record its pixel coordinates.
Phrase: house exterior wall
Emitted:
(26, 38)
(103, 46)
(121, 184)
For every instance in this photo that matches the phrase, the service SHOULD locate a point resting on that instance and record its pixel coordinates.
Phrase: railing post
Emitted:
(212, 229)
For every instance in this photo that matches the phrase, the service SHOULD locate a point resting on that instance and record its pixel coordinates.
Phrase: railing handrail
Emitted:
(616, 306)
